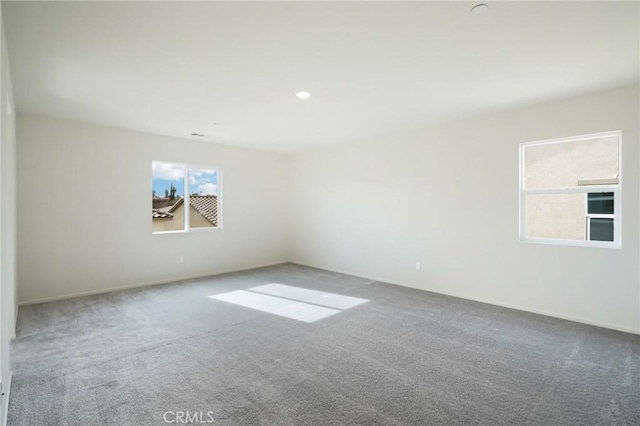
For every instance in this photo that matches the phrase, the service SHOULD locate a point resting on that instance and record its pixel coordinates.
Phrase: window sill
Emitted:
(573, 243)
(190, 231)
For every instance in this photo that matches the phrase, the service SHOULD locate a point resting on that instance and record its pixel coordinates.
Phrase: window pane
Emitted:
(601, 229)
(167, 191)
(203, 198)
(559, 216)
(601, 203)
(557, 165)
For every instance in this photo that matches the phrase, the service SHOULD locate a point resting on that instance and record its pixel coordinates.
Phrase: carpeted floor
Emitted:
(404, 357)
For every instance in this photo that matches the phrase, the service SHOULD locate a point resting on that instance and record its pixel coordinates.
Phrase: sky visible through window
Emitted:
(201, 181)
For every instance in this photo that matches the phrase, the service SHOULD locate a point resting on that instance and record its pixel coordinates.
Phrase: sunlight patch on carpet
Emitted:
(287, 301)
(275, 305)
(330, 300)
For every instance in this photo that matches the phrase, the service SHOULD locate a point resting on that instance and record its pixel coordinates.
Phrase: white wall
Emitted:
(445, 196)
(84, 204)
(8, 306)
(448, 197)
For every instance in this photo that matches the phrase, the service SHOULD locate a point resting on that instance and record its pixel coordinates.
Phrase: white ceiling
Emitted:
(175, 68)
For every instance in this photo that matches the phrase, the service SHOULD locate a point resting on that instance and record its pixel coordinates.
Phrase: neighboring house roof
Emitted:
(157, 214)
(206, 205)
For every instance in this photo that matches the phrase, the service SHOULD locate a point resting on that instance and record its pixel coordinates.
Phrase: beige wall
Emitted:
(196, 220)
(560, 216)
(560, 165)
(176, 224)
(563, 216)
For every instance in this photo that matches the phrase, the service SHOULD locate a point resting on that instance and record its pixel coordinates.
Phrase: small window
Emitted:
(570, 191)
(600, 216)
(175, 186)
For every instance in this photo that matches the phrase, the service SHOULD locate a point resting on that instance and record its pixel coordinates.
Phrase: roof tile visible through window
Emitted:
(157, 214)
(206, 205)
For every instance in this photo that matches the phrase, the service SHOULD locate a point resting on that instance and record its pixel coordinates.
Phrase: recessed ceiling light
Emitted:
(480, 9)
(303, 95)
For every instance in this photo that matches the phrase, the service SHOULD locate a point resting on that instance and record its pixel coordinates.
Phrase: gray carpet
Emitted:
(406, 357)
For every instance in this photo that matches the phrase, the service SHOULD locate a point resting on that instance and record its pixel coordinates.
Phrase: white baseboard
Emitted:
(380, 279)
(148, 283)
(5, 402)
(487, 301)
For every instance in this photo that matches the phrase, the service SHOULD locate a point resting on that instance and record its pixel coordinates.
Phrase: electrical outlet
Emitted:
(418, 266)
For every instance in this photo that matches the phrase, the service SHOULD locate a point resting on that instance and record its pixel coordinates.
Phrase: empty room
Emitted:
(319, 213)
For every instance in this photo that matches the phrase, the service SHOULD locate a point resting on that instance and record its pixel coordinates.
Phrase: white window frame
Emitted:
(187, 228)
(615, 188)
